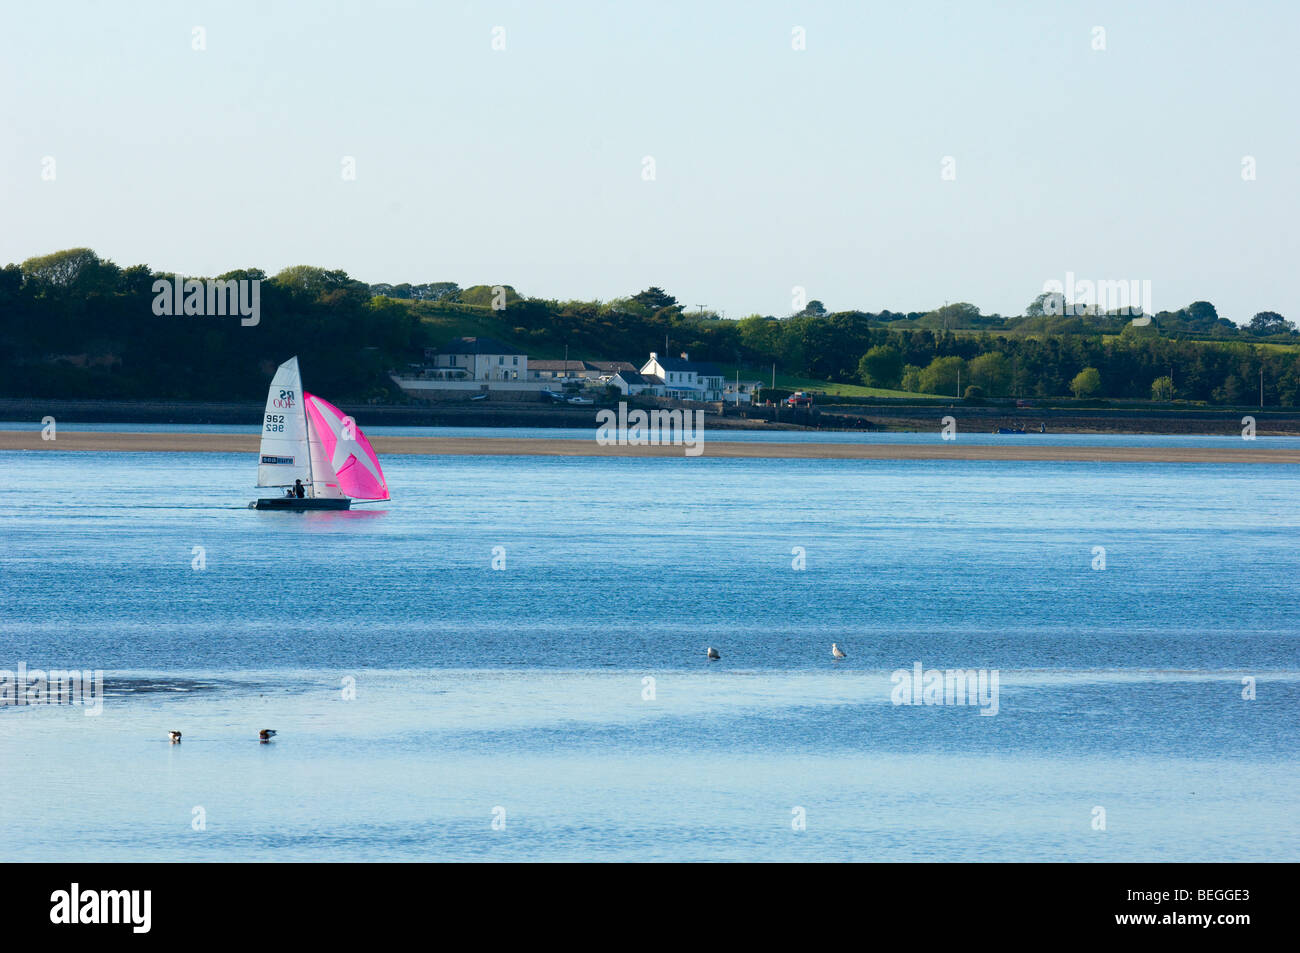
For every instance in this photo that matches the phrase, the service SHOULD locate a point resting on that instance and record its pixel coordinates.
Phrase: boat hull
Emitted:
(295, 504)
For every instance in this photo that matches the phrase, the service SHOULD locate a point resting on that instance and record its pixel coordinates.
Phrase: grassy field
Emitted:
(463, 323)
(1227, 343)
(788, 382)
(468, 322)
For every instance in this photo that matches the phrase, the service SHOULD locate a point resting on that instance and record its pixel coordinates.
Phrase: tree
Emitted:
(941, 376)
(1231, 392)
(992, 371)
(1049, 302)
(317, 281)
(959, 314)
(486, 296)
(653, 299)
(882, 366)
(1201, 313)
(762, 336)
(61, 268)
(813, 309)
(436, 291)
(1162, 388)
(1269, 322)
(1086, 383)
(911, 379)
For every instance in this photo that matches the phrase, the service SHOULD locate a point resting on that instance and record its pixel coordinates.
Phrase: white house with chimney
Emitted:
(685, 379)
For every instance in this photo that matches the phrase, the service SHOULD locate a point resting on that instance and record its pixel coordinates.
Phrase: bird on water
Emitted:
(266, 734)
(175, 737)
(837, 651)
(713, 654)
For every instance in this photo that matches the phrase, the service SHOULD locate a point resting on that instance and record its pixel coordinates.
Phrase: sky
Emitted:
(910, 154)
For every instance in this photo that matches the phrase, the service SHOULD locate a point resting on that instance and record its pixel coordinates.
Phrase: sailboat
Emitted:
(309, 445)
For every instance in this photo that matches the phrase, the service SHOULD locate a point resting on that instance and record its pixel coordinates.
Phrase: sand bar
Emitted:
(1016, 448)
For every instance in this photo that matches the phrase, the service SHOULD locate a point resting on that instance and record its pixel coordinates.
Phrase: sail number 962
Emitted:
(275, 423)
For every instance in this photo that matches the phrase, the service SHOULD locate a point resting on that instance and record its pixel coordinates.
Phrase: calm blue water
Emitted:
(524, 688)
(1231, 437)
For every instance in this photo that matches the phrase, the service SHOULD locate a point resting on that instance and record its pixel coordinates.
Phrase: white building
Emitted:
(476, 359)
(631, 383)
(742, 392)
(542, 369)
(685, 379)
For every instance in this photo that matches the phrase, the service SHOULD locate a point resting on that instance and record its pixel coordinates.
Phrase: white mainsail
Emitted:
(285, 455)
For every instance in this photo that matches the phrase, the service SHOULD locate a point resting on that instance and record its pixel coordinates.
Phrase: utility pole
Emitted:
(1261, 387)
(959, 383)
(774, 375)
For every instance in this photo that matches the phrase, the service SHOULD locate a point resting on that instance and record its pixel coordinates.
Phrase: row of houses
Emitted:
(485, 361)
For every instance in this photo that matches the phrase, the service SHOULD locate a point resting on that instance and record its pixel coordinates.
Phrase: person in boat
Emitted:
(298, 490)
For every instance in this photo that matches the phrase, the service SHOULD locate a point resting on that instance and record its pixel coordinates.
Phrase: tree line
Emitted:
(75, 325)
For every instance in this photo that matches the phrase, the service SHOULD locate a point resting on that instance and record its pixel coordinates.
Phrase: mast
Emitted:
(306, 421)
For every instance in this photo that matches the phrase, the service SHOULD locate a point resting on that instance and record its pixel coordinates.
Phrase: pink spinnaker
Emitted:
(348, 450)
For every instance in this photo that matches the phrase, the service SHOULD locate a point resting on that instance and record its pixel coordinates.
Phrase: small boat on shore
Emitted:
(313, 451)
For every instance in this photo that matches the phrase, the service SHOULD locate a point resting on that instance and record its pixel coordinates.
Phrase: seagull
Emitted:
(175, 736)
(266, 734)
(837, 651)
(713, 654)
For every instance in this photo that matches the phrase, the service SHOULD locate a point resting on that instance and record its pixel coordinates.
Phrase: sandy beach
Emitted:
(1020, 448)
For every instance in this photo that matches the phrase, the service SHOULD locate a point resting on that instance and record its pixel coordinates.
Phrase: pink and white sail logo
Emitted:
(350, 454)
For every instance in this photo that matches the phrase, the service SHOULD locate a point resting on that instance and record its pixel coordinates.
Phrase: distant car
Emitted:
(479, 397)
(554, 396)
(581, 400)
(799, 399)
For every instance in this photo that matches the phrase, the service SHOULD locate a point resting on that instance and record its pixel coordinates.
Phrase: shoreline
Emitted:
(830, 416)
(117, 442)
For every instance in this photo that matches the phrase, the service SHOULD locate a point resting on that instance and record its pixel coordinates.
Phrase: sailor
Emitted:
(298, 490)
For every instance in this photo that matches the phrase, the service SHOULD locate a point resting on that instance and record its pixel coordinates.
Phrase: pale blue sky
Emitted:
(774, 168)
